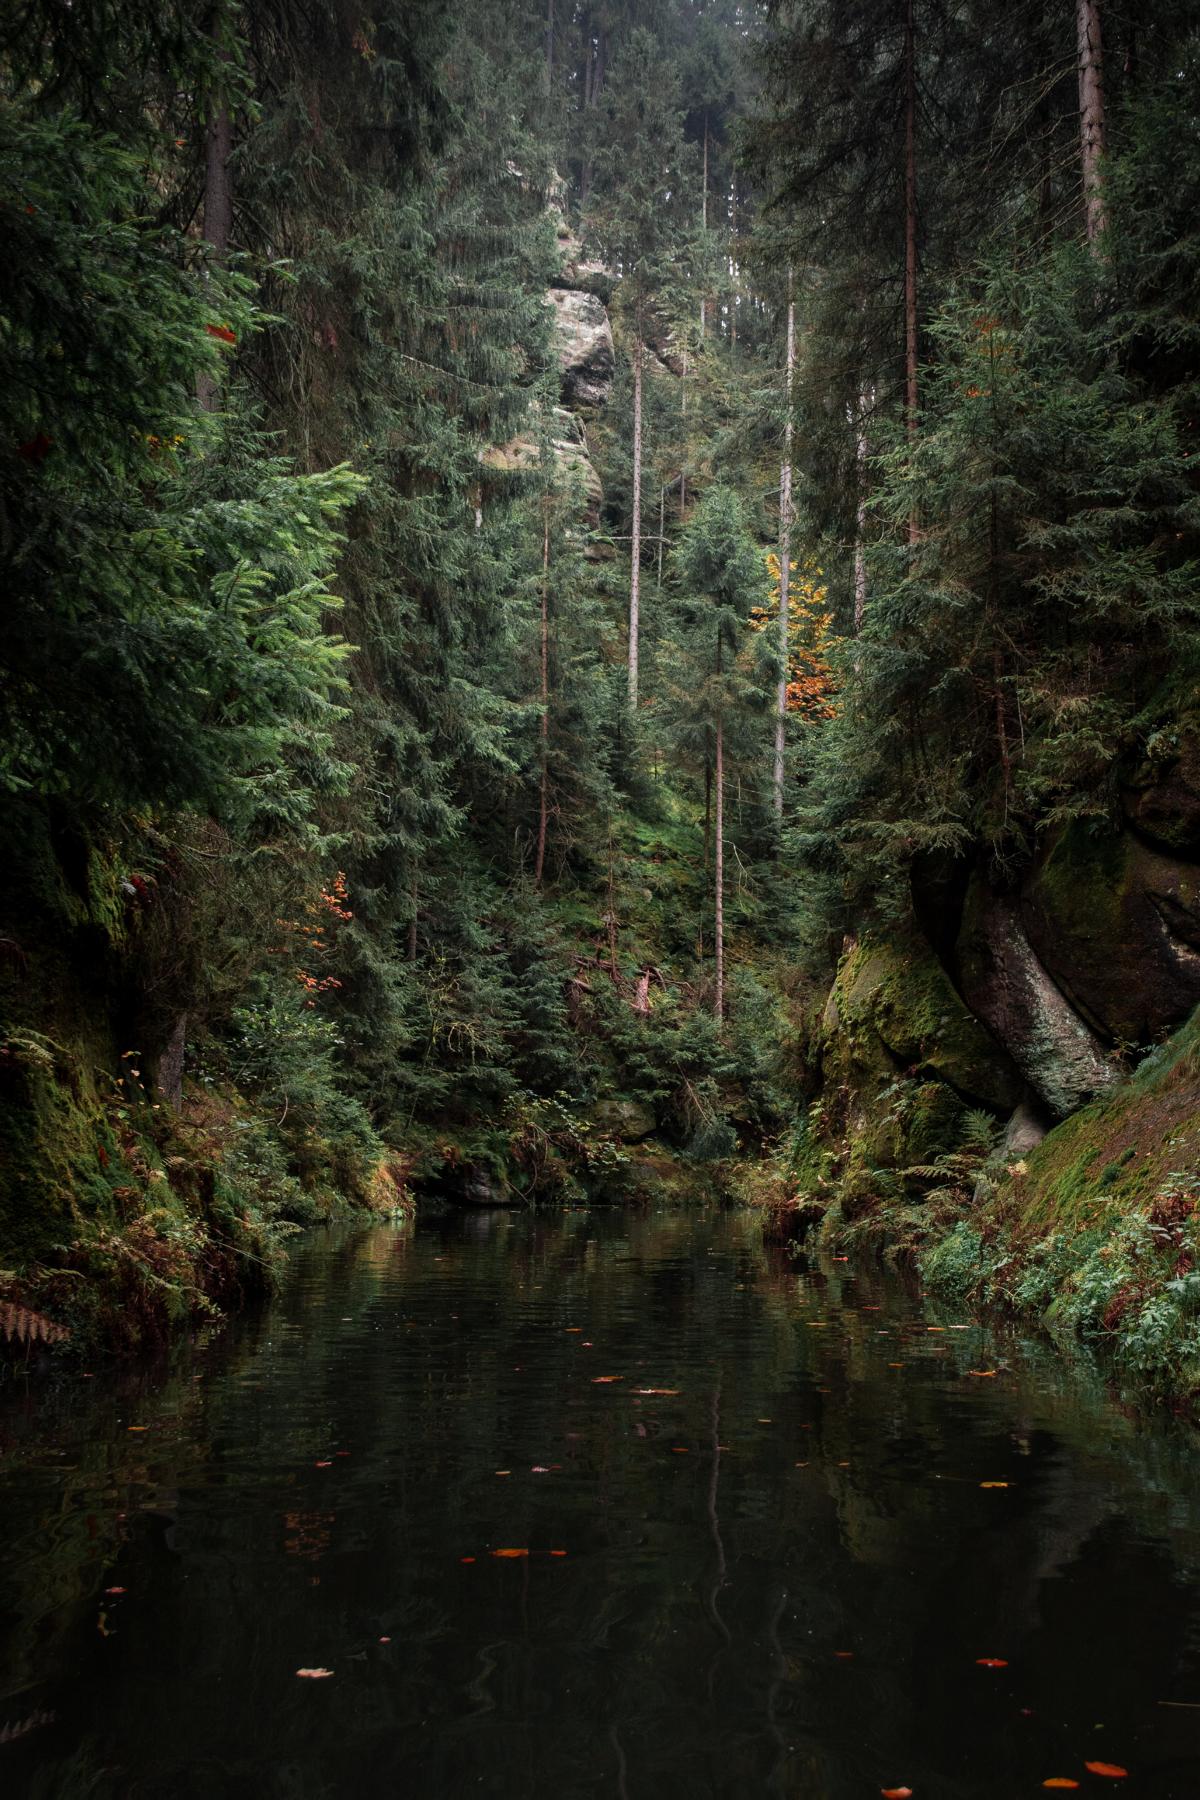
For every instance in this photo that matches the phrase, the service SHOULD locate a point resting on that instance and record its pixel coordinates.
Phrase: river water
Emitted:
(594, 1504)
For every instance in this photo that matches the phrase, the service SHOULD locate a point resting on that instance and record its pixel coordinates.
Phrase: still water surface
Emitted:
(762, 1524)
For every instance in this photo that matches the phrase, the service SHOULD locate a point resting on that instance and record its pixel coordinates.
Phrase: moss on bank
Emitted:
(1096, 1232)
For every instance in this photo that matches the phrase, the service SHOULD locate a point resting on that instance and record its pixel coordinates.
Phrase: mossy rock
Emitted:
(893, 1009)
(1117, 926)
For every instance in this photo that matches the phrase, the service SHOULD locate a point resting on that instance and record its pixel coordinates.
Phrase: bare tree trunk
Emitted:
(910, 222)
(1091, 114)
(170, 1064)
(785, 563)
(544, 727)
(719, 872)
(866, 400)
(218, 211)
(704, 223)
(636, 533)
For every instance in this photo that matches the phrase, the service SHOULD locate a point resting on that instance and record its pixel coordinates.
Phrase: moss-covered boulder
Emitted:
(893, 1009)
(903, 1062)
(1116, 924)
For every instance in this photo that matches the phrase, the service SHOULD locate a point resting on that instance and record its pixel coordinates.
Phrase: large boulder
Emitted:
(1117, 925)
(586, 356)
(893, 996)
(1005, 985)
(903, 1060)
(623, 1118)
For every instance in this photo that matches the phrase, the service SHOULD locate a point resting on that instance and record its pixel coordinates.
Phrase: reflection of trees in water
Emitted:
(693, 1625)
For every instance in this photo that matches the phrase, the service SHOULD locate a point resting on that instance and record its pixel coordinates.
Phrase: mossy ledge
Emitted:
(1095, 1232)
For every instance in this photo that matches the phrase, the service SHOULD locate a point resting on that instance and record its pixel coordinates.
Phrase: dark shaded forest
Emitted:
(601, 604)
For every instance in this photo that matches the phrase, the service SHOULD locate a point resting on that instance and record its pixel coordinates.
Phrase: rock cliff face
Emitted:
(585, 347)
(587, 365)
(1031, 1000)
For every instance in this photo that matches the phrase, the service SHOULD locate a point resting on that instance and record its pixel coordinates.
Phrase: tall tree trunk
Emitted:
(719, 870)
(1091, 114)
(785, 563)
(635, 570)
(704, 223)
(218, 207)
(866, 400)
(544, 727)
(910, 221)
(549, 46)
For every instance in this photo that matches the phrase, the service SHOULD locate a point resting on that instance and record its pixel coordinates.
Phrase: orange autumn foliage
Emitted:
(811, 688)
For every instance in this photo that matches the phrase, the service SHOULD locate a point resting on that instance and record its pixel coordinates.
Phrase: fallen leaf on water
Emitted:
(844, 1655)
(116, 1590)
(991, 1662)
(137, 1428)
(503, 1471)
(466, 1559)
(558, 1553)
(603, 1380)
(896, 1793)
(935, 1328)
(537, 1469)
(1060, 1781)
(993, 1484)
(1114, 1771)
(572, 1327)
(983, 1374)
(657, 1390)
(895, 1365)
(385, 1640)
(314, 1674)
(323, 1465)
(510, 1553)
(679, 1450)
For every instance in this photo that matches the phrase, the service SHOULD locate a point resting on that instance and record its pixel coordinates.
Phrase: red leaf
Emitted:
(896, 1793)
(1114, 1771)
(510, 1553)
(990, 1662)
(222, 332)
(1060, 1781)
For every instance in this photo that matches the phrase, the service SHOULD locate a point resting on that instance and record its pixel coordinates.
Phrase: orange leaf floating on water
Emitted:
(603, 1380)
(466, 1559)
(510, 1553)
(844, 1655)
(1060, 1781)
(990, 1662)
(1114, 1771)
(983, 1374)
(314, 1674)
(679, 1450)
(558, 1553)
(993, 1484)
(896, 1793)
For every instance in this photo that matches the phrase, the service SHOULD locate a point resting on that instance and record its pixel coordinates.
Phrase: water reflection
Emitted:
(768, 1531)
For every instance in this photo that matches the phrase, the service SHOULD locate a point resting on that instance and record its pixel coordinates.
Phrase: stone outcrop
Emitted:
(1116, 924)
(572, 463)
(586, 356)
(1005, 985)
